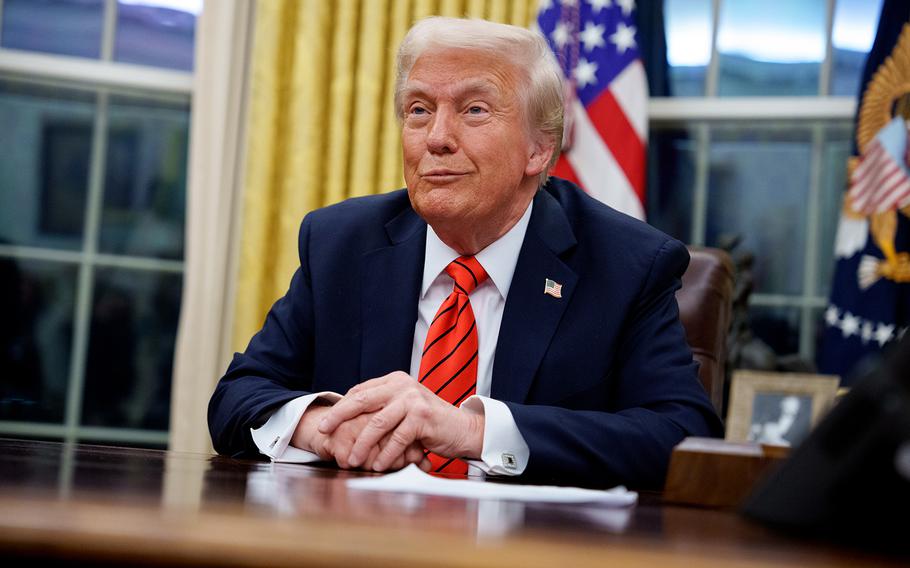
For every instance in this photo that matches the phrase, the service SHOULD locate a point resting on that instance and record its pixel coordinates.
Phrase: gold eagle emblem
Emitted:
(887, 96)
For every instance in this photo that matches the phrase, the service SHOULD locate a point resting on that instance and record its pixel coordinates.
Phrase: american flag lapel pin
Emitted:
(552, 288)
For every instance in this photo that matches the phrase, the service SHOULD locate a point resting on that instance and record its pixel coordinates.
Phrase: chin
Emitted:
(437, 203)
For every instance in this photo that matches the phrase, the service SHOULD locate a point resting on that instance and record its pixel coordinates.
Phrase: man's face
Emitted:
(470, 162)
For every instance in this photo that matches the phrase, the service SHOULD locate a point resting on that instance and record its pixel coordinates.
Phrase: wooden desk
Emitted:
(92, 503)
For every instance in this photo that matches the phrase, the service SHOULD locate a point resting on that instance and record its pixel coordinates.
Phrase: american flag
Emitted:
(881, 181)
(552, 288)
(607, 98)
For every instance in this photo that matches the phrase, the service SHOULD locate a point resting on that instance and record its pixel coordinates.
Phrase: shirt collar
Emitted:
(498, 258)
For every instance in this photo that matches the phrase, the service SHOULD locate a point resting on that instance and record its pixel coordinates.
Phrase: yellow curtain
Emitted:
(321, 126)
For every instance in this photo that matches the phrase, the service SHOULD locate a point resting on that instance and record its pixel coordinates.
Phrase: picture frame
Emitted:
(777, 409)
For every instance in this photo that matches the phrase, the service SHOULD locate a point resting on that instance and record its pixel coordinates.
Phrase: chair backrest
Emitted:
(705, 307)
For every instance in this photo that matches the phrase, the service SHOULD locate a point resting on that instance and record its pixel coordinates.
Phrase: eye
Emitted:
(417, 110)
(475, 109)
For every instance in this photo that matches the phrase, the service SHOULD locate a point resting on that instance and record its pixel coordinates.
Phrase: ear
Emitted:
(539, 158)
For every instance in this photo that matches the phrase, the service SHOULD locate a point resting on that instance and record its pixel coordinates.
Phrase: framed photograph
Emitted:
(777, 408)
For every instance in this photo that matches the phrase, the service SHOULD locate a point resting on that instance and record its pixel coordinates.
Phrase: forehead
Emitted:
(457, 71)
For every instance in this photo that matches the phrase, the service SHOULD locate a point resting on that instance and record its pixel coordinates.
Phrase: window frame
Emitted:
(820, 112)
(105, 78)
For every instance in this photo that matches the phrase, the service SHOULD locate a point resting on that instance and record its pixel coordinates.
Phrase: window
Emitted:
(754, 141)
(95, 108)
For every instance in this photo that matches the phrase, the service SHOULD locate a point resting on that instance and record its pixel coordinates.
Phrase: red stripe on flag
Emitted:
(885, 185)
(870, 164)
(563, 169)
(611, 123)
(866, 188)
(891, 193)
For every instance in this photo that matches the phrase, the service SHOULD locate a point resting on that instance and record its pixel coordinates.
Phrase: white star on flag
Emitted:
(560, 34)
(592, 36)
(627, 6)
(623, 37)
(883, 333)
(544, 5)
(832, 316)
(850, 325)
(585, 73)
(598, 5)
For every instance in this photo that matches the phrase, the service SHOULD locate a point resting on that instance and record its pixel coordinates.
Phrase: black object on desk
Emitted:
(850, 479)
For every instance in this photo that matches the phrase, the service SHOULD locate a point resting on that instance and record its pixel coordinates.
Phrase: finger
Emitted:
(368, 463)
(338, 445)
(378, 427)
(374, 451)
(402, 437)
(425, 464)
(353, 404)
(412, 454)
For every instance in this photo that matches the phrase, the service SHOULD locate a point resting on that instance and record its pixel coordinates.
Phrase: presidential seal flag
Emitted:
(869, 306)
(606, 126)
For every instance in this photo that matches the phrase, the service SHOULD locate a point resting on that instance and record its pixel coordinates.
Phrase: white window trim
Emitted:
(94, 72)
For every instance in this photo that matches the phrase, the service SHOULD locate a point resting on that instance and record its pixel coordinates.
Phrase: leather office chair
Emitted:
(705, 307)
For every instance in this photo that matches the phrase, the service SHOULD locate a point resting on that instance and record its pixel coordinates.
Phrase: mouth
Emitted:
(442, 175)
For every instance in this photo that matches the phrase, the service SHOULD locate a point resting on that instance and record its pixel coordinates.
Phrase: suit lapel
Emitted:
(391, 280)
(530, 317)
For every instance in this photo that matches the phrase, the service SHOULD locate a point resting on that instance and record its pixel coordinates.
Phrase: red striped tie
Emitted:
(448, 366)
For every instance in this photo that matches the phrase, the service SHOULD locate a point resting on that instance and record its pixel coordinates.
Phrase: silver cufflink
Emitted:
(509, 461)
(275, 441)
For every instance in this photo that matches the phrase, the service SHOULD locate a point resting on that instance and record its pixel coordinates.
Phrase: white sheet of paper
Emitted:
(413, 480)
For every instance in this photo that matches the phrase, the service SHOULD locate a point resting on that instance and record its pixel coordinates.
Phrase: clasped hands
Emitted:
(386, 424)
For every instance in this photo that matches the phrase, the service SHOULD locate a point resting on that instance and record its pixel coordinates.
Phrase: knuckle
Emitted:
(379, 422)
(423, 411)
(399, 438)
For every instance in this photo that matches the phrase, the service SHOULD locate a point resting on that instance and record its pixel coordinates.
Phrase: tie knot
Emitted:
(467, 273)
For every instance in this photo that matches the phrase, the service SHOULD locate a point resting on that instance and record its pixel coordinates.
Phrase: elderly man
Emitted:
(477, 320)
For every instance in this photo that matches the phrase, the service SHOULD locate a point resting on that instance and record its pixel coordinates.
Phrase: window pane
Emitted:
(156, 32)
(145, 179)
(771, 48)
(758, 188)
(131, 349)
(836, 149)
(46, 139)
(67, 27)
(671, 180)
(36, 300)
(855, 22)
(688, 29)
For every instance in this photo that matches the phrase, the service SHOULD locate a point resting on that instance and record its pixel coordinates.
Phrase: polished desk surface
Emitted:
(88, 503)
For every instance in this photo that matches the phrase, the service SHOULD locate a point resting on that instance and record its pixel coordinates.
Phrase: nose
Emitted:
(442, 135)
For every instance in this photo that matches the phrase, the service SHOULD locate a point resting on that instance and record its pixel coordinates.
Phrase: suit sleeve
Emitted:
(656, 401)
(275, 368)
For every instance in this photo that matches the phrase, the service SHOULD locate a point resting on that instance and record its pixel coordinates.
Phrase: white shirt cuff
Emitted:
(274, 437)
(505, 451)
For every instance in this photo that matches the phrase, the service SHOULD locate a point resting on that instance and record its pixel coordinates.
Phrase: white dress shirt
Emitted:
(505, 451)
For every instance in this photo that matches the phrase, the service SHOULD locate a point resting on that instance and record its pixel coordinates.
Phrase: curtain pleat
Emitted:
(321, 122)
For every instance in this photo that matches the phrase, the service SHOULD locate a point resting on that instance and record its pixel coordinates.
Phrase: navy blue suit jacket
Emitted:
(601, 382)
